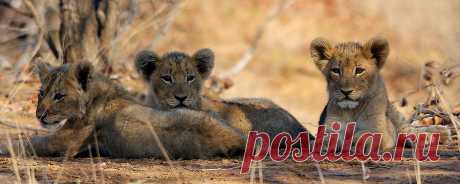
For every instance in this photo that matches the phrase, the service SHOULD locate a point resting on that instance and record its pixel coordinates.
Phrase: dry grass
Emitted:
(280, 69)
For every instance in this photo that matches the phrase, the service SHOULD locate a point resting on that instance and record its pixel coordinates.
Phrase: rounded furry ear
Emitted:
(145, 63)
(205, 61)
(42, 69)
(321, 52)
(83, 73)
(377, 48)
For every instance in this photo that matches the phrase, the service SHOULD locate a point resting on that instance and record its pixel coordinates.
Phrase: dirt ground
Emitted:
(280, 70)
(107, 170)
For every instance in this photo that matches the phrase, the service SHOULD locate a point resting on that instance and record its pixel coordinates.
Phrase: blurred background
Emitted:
(274, 34)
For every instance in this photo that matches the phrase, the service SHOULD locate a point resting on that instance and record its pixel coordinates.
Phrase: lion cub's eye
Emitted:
(190, 78)
(359, 71)
(166, 79)
(335, 71)
(58, 96)
(41, 93)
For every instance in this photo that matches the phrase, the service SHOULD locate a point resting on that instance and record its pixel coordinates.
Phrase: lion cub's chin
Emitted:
(348, 104)
(55, 126)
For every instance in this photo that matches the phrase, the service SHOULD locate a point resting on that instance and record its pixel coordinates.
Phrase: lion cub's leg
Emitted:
(141, 131)
(216, 135)
(67, 142)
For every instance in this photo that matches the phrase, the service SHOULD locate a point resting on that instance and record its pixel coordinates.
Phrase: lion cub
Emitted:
(356, 89)
(175, 80)
(80, 105)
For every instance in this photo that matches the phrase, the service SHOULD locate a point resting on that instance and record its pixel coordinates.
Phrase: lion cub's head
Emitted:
(176, 79)
(351, 69)
(63, 93)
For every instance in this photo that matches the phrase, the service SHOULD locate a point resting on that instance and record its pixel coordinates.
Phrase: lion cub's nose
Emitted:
(346, 92)
(180, 98)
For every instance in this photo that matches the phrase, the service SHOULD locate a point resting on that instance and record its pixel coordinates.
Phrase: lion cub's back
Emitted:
(264, 115)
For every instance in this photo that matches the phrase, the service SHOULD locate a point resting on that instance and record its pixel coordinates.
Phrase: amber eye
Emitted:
(190, 78)
(166, 78)
(59, 96)
(359, 71)
(335, 71)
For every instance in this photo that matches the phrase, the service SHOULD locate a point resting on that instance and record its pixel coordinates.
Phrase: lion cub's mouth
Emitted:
(348, 104)
(54, 126)
(180, 105)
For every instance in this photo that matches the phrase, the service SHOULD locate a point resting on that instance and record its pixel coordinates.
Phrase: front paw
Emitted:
(444, 131)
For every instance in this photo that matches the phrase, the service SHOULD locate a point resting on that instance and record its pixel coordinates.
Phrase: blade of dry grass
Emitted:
(261, 174)
(163, 150)
(14, 160)
(365, 172)
(99, 161)
(418, 176)
(320, 173)
(15, 125)
(409, 178)
(252, 175)
(93, 166)
(41, 32)
(449, 108)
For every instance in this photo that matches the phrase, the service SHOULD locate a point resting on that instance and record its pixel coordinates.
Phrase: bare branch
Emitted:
(8, 5)
(166, 25)
(249, 53)
(41, 27)
(108, 27)
(78, 31)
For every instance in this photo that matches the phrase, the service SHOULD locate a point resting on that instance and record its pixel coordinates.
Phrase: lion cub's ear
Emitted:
(145, 63)
(205, 62)
(321, 52)
(377, 48)
(83, 72)
(42, 69)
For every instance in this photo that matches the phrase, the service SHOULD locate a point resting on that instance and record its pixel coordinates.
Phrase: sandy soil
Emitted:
(105, 170)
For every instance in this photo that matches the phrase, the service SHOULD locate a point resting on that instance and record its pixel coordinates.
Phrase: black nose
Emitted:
(346, 92)
(180, 98)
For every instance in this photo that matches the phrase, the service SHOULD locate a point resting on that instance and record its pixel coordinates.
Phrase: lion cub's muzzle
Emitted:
(52, 122)
(347, 99)
(180, 101)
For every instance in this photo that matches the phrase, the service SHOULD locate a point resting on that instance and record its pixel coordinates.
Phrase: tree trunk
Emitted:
(87, 30)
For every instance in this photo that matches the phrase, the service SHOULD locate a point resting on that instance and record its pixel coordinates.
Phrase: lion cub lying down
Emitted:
(356, 89)
(81, 105)
(175, 81)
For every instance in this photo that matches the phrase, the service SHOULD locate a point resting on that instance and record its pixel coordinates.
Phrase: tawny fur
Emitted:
(94, 105)
(357, 91)
(187, 75)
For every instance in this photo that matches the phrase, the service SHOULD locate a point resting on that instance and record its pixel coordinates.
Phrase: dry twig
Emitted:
(165, 26)
(249, 53)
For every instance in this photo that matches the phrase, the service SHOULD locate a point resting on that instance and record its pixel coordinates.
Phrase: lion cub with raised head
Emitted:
(356, 89)
(76, 103)
(175, 80)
